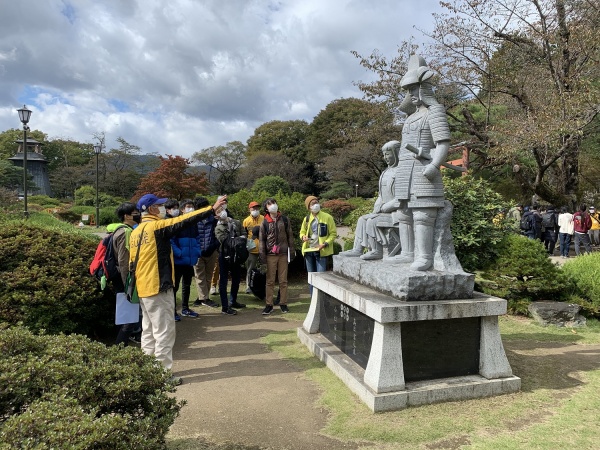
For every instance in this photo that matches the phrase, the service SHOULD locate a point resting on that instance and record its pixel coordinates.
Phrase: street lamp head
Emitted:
(97, 149)
(24, 114)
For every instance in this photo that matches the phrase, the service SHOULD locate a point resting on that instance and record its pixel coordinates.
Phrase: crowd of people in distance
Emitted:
(582, 227)
(170, 243)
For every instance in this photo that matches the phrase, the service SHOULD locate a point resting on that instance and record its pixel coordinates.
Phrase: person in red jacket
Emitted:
(581, 225)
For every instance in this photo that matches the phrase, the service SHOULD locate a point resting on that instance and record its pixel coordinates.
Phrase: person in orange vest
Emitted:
(254, 219)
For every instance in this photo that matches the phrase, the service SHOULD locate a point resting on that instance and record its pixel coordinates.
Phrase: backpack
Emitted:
(104, 267)
(234, 247)
(526, 223)
(548, 220)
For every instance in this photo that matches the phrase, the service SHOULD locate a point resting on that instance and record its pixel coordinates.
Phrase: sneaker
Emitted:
(213, 290)
(268, 309)
(229, 312)
(135, 339)
(189, 313)
(237, 305)
(198, 302)
(176, 380)
(208, 302)
(248, 291)
(284, 309)
(177, 318)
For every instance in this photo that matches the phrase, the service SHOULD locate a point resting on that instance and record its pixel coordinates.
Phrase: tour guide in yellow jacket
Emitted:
(317, 234)
(155, 272)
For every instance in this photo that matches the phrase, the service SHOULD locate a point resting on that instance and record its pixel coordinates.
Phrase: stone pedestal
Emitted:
(395, 354)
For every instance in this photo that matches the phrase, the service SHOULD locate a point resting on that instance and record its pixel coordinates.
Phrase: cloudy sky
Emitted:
(177, 76)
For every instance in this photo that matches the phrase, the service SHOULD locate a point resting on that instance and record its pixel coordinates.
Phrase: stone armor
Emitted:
(422, 129)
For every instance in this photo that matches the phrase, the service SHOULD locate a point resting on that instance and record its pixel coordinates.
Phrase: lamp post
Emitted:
(356, 190)
(97, 150)
(24, 115)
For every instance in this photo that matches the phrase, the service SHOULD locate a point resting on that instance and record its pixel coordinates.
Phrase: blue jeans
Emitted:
(565, 242)
(315, 263)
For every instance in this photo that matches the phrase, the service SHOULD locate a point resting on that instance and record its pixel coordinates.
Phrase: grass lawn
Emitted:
(556, 408)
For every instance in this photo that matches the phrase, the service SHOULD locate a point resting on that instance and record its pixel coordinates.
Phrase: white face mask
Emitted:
(315, 208)
(254, 213)
(162, 212)
(223, 215)
(174, 212)
(188, 210)
(273, 208)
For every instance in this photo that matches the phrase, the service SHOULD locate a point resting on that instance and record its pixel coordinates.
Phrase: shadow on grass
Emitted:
(550, 365)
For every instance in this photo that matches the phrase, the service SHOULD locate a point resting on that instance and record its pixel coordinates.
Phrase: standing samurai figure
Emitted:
(419, 187)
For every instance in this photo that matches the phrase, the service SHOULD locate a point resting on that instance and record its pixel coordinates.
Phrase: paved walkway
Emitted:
(238, 391)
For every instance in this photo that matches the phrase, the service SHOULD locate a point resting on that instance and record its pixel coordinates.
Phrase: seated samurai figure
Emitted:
(371, 232)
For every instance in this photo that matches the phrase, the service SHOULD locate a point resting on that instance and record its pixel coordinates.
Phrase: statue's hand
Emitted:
(390, 206)
(430, 171)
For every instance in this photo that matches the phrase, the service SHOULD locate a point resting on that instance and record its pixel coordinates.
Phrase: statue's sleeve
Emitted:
(438, 123)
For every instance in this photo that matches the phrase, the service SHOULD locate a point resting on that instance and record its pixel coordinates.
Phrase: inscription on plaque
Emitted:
(348, 329)
(440, 348)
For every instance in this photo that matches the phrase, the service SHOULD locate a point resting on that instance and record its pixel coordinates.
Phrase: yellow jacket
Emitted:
(155, 270)
(306, 230)
(249, 223)
(595, 221)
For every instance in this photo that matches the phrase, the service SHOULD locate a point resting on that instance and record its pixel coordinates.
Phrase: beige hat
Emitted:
(309, 199)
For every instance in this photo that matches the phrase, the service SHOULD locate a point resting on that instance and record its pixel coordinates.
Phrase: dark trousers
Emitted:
(549, 241)
(186, 273)
(226, 268)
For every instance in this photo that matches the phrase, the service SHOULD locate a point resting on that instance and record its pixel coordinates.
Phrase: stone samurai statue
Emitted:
(419, 187)
(417, 184)
(371, 229)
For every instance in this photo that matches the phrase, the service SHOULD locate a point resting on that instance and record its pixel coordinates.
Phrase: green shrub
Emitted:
(584, 272)
(272, 185)
(69, 216)
(68, 392)
(475, 231)
(108, 214)
(523, 273)
(45, 281)
(43, 200)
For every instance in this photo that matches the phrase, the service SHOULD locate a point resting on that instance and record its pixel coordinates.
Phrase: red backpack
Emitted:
(105, 265)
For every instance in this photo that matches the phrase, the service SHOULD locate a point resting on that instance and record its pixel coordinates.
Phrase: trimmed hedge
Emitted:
(45, 282)
(584, 271)
(523, 273)
(68, 392)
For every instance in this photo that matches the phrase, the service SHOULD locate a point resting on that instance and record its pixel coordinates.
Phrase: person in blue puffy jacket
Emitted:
(186, 251)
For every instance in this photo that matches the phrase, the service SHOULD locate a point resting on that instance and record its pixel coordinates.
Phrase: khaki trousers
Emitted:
(158, 327)
(277, 266)
(203, 271)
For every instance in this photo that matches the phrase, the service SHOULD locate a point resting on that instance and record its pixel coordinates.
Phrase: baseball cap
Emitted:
(254, 205)
(591, 207)
(148, 200)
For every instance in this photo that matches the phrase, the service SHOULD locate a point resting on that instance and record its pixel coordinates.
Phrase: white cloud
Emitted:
(178, 76)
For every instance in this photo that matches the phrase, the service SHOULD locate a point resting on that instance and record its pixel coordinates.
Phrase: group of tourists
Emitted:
(169, 243)
(582, 227)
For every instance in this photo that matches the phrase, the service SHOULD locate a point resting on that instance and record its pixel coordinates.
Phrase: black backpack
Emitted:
(548, 220)
(527, 222)
(234, 248)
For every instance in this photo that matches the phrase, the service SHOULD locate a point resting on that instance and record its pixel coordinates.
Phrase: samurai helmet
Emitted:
(417, 72)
